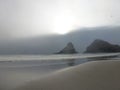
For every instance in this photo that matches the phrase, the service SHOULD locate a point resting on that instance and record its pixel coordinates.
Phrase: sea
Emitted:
(16, 70)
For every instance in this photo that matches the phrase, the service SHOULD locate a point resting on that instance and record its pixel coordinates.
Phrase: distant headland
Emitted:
(97, 46)
(69, 49)
(101, 46)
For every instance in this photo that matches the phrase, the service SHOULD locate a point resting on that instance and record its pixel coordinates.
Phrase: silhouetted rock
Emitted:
(69, 49)
(100, 46)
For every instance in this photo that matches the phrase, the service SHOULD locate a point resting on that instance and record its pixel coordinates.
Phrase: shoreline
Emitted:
(103, 75)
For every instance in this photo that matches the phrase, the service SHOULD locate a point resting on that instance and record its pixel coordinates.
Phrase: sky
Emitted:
(27, 18)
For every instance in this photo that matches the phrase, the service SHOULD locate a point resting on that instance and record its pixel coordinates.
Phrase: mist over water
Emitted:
(30, 28)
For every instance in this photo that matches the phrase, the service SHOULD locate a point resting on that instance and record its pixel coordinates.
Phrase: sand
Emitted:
(95, 75)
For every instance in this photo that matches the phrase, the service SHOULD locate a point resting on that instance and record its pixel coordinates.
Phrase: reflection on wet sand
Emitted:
(17, 73)
(102, 75)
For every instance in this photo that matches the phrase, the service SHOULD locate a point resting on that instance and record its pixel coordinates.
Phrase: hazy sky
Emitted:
(38, 17)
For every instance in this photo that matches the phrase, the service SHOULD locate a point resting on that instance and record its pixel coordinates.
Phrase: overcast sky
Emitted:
(20, 18)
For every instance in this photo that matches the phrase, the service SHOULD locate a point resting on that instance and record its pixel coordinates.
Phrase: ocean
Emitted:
(16, 70)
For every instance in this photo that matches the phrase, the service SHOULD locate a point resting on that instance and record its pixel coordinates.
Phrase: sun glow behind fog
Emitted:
(63, 22)
(29, 18)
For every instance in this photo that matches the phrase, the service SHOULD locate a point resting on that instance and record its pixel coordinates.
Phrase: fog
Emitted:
(27, 18)
(34, 26)
(49, 44)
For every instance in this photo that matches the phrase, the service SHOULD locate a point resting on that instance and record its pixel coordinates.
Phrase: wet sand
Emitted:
(17, 73)
(11, 77)
(95, 75)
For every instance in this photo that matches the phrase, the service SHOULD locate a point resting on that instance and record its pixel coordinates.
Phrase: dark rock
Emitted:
(69, 49)
(100, 46)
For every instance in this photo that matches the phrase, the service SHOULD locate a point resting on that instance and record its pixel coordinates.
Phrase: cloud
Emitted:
(25, 18)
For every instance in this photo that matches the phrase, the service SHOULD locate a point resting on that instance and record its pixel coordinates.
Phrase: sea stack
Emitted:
(101, 46)
(69, 49)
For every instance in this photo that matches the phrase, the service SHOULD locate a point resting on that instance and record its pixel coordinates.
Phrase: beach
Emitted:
(19, 74)
(16, 73)
(94, 75)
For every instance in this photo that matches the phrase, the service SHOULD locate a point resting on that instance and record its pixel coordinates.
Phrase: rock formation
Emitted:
(69, 49)
(100, 46)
